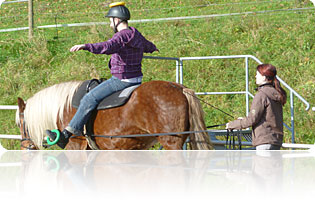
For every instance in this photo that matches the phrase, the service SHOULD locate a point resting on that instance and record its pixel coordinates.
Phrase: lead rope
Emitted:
(211, 105)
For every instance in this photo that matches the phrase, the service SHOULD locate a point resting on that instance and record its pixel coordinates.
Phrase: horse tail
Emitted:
(198, 141)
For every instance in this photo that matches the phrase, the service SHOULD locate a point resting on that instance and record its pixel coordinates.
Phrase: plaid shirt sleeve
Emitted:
(149, 47)
(111, 46)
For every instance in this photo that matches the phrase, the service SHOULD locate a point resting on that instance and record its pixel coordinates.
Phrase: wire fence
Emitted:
(84, 12)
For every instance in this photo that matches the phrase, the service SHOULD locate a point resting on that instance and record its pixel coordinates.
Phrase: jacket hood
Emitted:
(270, 91)
(133, 38)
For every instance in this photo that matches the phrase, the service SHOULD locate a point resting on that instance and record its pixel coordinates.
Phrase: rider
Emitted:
(126, 47)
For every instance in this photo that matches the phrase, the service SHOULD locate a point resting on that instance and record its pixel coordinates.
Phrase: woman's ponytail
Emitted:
(270, 72)
(282, 92)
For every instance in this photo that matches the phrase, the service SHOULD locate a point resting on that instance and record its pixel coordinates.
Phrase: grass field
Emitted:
(282, 37)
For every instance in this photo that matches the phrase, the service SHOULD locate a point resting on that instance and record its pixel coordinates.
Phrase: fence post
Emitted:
(292, 116)
(247, 85)
(30, 19)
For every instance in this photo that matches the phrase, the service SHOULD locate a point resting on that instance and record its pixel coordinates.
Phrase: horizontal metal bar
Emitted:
(221, 142)
(14, 29)
(298, 146)
(160, 58)
(152, 20)
(213, 15)
(284, 145)
(214, 57)
(8, 107)
(208, 93)
(222, 57)
(8, 2)
(220, 131)
(14, 137)
(56, 26)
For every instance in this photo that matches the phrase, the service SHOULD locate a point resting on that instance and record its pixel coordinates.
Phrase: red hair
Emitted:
(270, 72)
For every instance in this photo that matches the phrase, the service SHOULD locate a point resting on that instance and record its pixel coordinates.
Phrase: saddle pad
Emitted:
(114, 100)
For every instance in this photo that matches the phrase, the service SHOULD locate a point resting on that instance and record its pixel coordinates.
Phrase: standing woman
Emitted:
(126, 47)
(266, 114)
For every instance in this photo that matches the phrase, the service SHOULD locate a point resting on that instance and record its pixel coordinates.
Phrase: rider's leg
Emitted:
(88, 103)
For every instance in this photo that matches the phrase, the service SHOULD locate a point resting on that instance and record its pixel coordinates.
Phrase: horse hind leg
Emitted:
(177, 121)
(174, 142)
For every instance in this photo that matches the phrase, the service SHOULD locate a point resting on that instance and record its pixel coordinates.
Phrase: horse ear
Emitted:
(21, 104)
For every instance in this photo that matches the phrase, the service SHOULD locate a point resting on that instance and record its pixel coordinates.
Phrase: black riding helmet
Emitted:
(118, 10)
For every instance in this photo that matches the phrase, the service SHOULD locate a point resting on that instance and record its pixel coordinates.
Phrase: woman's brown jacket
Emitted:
(265, 117)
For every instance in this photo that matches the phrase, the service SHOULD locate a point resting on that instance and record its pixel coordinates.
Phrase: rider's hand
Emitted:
(77, 47)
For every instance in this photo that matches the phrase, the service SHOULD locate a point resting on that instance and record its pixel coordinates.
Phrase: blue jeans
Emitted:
(91, 100)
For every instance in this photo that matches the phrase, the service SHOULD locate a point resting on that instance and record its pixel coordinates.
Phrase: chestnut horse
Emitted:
(154, 107)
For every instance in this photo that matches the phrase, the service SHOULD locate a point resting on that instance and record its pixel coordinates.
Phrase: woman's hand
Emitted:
(227, 126)
(77, 47)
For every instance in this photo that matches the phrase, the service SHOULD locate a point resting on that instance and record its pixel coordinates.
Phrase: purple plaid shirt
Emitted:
(127, 47)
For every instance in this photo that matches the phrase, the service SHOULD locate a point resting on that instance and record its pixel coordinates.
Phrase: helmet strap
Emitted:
(116, 25)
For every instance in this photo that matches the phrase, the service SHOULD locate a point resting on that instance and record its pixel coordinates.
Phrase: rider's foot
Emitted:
(64, 137)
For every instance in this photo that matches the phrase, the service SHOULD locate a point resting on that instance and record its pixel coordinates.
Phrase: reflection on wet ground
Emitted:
(157, 174)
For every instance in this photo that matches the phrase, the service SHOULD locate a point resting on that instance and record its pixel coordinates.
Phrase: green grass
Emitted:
(284, 39)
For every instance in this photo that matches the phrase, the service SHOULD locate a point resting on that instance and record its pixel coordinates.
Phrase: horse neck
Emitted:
(46, 107)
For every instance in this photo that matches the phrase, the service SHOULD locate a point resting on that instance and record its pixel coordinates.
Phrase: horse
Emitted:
(153, 107)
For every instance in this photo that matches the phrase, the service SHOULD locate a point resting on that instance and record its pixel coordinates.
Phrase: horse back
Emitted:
(158, 103)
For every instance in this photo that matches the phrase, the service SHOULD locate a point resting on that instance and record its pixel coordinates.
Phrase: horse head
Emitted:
(26, 142)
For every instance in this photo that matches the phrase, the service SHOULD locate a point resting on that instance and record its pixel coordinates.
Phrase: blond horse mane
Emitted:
(45, 107)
